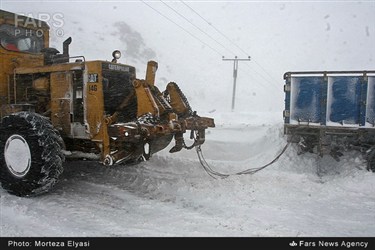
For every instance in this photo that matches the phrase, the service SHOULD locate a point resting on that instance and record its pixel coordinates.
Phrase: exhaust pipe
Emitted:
(152, 66)
(66, 47)
(52, 56)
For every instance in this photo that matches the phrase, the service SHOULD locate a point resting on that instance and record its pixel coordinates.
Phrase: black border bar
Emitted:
(187, 242)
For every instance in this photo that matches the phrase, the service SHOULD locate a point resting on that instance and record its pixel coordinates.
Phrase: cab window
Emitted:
(21, 39)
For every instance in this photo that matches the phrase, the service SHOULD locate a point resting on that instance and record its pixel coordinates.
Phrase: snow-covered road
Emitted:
(171, 195)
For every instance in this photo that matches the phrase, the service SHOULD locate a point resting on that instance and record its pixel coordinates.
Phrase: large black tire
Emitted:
(371, 160)
(38, 147)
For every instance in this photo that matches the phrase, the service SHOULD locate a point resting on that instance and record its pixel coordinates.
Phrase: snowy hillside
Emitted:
(171, 195)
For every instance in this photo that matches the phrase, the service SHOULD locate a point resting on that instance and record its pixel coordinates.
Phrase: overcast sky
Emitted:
(189, 39)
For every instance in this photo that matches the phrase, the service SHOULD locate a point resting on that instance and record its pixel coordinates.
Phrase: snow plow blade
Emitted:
(156, 136)
(197, 123)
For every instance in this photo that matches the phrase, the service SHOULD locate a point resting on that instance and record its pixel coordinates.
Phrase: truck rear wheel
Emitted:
(371, 160)
(30, 154)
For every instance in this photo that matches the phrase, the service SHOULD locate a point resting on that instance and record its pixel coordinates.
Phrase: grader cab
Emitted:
(52, 104)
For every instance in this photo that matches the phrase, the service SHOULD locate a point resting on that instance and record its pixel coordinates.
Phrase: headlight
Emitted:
(116, 54)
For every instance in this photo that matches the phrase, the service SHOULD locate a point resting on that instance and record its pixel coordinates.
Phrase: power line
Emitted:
(180, 27)
(272, 84)
(209, 23)
(260, 66)
(174, 10)
(208, 34)
(226, 37)
(247, 72)
(190, 32)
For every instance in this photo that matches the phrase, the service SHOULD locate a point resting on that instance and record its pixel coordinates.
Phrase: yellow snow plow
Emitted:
(52, 102)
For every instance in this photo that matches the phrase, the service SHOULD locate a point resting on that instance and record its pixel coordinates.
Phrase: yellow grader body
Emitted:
(52, 103)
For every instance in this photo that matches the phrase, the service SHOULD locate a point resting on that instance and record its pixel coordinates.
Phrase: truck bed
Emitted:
(334, 101)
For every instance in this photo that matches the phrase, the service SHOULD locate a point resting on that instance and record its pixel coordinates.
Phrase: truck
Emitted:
(53, 104)
(330, 112)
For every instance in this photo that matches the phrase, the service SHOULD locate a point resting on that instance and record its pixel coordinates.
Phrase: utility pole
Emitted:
(235, 68)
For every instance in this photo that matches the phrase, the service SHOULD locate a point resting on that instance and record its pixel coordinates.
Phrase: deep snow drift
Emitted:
(171, 195)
